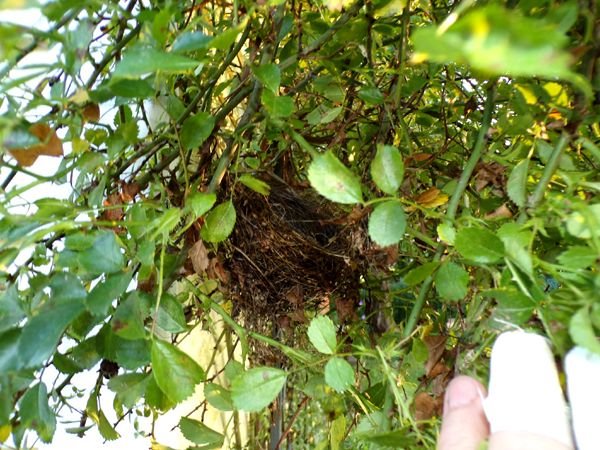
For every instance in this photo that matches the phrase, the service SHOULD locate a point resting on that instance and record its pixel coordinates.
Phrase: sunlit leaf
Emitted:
(387, 223)
(321, 333)
(479, 245)
(198, 433)
(141, 61)
(219, 223)
(256, 388)
(333, 180)
(387, 169)
(339, 374)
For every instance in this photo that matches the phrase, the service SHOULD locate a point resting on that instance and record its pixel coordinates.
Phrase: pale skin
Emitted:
(465, 427)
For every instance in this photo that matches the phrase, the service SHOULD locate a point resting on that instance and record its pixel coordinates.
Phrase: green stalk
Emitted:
(463, 181)
(549, 170)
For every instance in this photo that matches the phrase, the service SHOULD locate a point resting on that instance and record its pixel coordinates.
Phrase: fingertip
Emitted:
(464, 425)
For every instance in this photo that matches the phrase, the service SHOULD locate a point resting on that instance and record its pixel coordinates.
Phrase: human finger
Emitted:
(464, 426)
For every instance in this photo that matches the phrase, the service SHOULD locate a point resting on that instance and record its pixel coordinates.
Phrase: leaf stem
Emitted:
(463, 181)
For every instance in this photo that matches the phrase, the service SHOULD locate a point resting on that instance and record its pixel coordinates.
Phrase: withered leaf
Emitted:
(91, 112)
(199, 257)
(435, 346)
(50, 145)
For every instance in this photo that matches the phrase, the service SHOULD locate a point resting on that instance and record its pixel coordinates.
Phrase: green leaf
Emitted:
(420, 273)
(128, 320)
(255, 184)
(479, 245)
(166, 222)
(323, 115)
(517, 183)
(277, 106)
(141, 61)
(371, 95)
(578, 257)
(451, 281)
(387, 223)
(225, 39)
(585, 222)
(129, 387)
(200, 202)
(582, 331)
(339, 374)
(190, 40)
(269, 75)
(128, 353)
(36, 413)
(387, 169)
(321, 333)
(219, 223)
(132, 88)
(176, 373)
(446, 233)
(334, 181)
(104, 256)
(170, 315)
(100, 299)
(498, 41)
(42, 332)
(218, 397)
(10, 309)
(513, 306)
(196, 129)
(200, 434)
(256, 388)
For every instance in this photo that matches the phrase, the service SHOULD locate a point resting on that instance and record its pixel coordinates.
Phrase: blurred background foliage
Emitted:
(352, 197)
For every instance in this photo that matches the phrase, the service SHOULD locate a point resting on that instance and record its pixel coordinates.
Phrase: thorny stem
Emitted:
(463, 181)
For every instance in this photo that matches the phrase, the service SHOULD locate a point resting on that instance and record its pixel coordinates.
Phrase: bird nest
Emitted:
(289, 254)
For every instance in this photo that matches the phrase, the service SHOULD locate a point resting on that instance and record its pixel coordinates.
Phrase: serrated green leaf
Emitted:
(104, 256)
(451, 281)
(11, 311)
(256, 388)
(321, 333)
(200, 434)
(36, 413)
(387, 223)
(170, 315)
(129, 387)
(255, 184)
(42, 332)
(219, 223)
(513, 306)
(323, 115)
(334, 181)
(269, 75)
(196, 129)
(166, 222)
(517, 183)
(420, 273)
(100, 299)
(218, 397)
(339, 374)
(141, 61)
(128, 320)
(387, 169)
(277, 106)
(175, 372)
(479, 245)
(200, 202)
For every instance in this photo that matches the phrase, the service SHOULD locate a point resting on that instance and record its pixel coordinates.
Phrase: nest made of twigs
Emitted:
(289, 253)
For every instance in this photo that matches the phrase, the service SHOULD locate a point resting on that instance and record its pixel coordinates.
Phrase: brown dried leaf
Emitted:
(129, 191)
(113, 212)
(199, 257)
(346, 310)
(489, 174)
(431, 198)
(435, 346)
(502, 212)
(50, 145)
(91, 112)
(216, 270)
(426, 406)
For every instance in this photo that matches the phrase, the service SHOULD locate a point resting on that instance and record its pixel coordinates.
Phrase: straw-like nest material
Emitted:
(289, 254)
